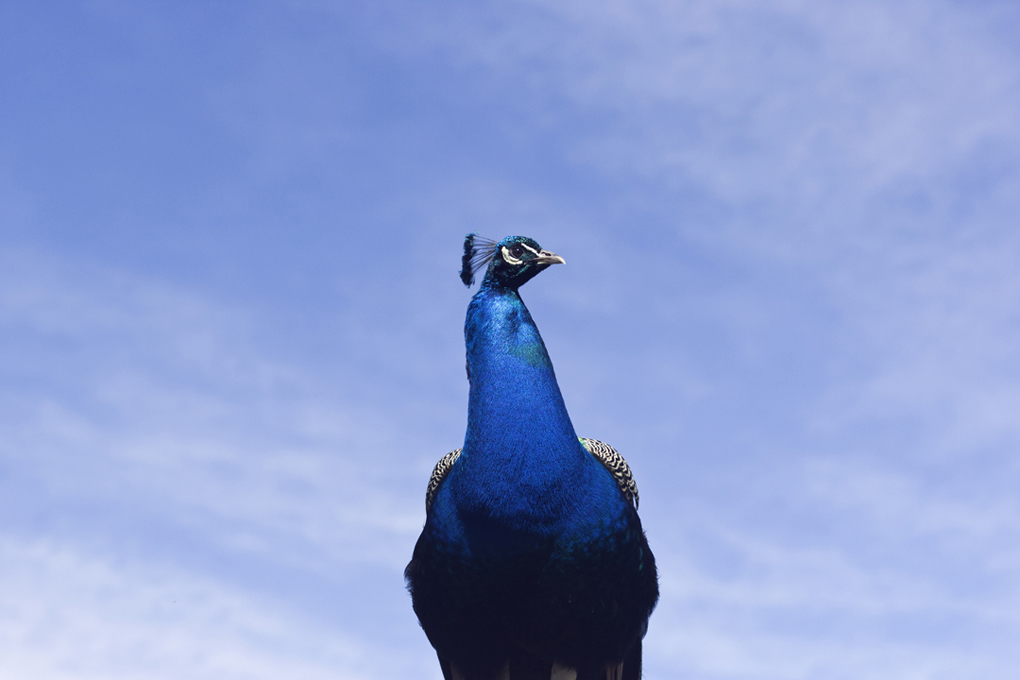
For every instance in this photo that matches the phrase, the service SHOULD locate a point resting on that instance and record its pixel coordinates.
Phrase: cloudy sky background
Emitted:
(230, 320)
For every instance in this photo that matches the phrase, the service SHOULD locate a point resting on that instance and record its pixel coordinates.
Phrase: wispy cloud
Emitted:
(147, 448)
(742, 602)
(71, 614)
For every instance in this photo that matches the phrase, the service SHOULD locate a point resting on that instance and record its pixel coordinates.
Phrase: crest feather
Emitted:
(478, 251)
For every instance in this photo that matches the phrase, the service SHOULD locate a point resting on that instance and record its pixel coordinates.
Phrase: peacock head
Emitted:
(512, 262)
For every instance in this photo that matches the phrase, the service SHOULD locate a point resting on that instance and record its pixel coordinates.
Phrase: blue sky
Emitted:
(230, 320)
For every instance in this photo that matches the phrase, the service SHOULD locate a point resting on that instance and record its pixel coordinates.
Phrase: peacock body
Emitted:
(532, 563)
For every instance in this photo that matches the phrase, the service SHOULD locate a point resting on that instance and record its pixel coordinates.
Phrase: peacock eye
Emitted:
(517, 250)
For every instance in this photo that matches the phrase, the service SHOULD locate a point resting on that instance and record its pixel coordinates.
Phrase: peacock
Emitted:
(532, 563)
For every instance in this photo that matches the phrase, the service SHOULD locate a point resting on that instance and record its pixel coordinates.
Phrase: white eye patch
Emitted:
(510, 259)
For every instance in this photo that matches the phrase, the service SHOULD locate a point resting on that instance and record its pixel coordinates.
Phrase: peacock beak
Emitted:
(545, 257)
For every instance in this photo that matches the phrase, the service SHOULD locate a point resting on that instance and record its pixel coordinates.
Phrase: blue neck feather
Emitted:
(523, 476)
(516, 413)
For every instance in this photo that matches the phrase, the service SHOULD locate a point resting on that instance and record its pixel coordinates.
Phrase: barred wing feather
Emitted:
(606, 454)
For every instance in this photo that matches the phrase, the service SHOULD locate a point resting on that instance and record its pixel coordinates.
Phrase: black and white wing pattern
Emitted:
(616, 465)
(606, 454)
(439, 474)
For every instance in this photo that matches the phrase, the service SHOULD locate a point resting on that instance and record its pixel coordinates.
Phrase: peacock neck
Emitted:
(523, 476)
(515, 409)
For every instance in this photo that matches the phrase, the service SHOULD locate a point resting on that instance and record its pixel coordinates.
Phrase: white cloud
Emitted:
(148, 385)
(151, 452)
(816, 109)
(828, 610)
(68, 614)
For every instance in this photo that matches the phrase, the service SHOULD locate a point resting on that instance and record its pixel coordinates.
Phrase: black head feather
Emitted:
(477, 253)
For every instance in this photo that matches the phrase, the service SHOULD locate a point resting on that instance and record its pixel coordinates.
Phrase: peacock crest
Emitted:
(478, 250)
